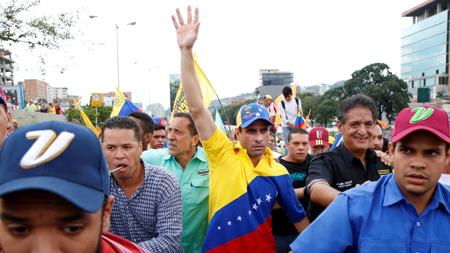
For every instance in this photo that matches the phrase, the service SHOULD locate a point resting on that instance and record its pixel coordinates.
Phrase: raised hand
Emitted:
(186, 32)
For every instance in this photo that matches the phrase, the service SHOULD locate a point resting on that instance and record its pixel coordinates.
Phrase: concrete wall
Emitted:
(26, 118)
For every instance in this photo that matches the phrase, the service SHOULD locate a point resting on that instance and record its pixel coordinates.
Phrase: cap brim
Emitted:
(85, 198)
(408, 131)
(249, 122)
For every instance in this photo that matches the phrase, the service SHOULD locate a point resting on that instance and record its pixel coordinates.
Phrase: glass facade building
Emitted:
(425, 51)
(271, 77)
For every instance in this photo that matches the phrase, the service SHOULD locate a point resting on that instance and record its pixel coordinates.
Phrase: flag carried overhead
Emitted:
(85, 118)
(207, 89)
(122, 106)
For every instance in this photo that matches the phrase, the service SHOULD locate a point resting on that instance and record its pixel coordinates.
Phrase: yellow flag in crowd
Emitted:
(119, 101)
(85, 118)
(206, 87)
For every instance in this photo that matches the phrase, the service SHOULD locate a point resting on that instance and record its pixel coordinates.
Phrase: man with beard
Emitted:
(54, 196)
(351, 163)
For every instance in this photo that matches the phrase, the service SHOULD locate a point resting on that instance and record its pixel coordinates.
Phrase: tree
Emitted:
(329, 105)
(375, 80)
(73, 115)
(18, 26)
(232, 111)
(310, 102)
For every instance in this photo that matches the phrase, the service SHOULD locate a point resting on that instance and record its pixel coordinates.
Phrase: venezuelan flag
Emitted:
(299, 122)
(242, 196)
(122, 106)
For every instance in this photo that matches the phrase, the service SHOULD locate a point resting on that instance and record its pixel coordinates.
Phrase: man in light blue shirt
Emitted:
(408, 211)
(188, 164)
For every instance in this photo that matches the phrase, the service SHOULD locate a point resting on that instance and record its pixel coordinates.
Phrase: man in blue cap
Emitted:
(245, 180)
(54, 196)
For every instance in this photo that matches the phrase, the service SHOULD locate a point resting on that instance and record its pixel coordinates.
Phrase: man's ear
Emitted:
(107, 209)
(148, 137)
(391, 148)
(9, 117)
(340, 127)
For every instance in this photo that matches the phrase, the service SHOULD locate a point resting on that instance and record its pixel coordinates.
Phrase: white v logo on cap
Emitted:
(46, 147)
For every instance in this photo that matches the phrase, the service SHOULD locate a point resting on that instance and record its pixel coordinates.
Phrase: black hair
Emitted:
(296, 131)
(358, 100)
(191, 126)
(120, 122)
(158, 127)
(146, 121)
(287, 91)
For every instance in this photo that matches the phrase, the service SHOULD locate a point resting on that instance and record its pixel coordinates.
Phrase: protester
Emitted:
(290, 106)
(31, 107)
(407, 211)
(349, 164)
(296, 162)
(54, 195)
(5, 119)
(188, 163)
(147, 207)
(51, 109)
(319, 140)
(145, 124)
(58, 108)
(272, 110)
(245, 181)
(158, 137)
(376, 142)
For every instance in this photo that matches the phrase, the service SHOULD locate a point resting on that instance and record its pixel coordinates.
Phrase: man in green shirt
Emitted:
(189, 165)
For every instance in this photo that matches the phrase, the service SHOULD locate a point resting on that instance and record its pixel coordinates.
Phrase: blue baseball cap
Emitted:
(251, 113)
(58, 157)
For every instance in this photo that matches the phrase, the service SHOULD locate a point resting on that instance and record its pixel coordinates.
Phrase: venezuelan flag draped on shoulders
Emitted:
(241, 195)
(122, 106)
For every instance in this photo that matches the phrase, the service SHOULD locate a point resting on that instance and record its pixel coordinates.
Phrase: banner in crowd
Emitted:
(96, 100)
(87, 122)
(122, 106)
(207, 89)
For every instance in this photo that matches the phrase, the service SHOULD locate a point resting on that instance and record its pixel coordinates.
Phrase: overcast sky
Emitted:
(320, 41)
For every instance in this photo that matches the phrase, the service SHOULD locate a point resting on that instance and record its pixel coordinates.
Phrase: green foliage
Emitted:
(232, 111)
(19, 26)
(174, 84)
(73, 115)
(376, 81)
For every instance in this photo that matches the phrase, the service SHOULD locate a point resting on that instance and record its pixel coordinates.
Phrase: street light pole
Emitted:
(117, 48)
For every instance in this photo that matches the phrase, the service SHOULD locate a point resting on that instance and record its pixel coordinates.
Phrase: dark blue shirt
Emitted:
(378, 218)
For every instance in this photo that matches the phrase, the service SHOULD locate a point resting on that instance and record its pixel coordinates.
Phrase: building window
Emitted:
(412, 84)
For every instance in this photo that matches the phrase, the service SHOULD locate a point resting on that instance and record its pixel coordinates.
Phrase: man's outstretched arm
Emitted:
(186, 36)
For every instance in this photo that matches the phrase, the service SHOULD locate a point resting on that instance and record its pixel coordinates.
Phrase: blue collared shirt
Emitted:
(378, 218)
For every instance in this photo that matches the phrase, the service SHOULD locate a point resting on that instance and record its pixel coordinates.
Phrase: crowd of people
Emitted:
(41, 105)
(188, 187)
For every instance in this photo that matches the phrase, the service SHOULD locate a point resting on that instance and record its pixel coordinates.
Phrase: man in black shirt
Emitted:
(350, 164)
(296, 162)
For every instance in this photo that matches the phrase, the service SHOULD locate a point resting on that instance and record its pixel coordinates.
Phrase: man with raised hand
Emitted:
(408, 211)
(245, 180)
(54, 196)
